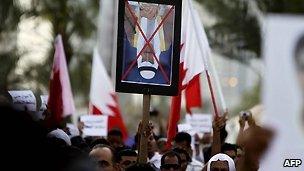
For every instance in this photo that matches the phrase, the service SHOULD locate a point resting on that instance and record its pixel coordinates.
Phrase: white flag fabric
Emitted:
(282, 93)
(103, 99)
(195, 50)
(101, 87)
(107, 28)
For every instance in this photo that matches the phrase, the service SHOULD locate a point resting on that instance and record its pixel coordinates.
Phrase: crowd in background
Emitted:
(29, 145)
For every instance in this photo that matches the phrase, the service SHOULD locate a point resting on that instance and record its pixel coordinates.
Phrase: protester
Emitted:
(153, 154)
(65, 153)
(221, 162)
(22, 139)
(79, 142)
(255, 140)
(185, 158)
(170, 161)
(60, 134)
(99, 141)
(115, 138)
(104, 157)
(183, 140)
(126, 158)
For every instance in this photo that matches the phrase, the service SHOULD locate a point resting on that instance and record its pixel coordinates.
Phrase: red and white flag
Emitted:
(103, 99)
(60, 102)
(194, 53)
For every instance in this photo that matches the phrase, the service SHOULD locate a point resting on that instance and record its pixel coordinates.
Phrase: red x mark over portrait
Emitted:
(147, 42)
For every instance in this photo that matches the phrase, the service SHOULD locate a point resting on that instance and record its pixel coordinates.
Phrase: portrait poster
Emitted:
(283, 90)
(148, 46)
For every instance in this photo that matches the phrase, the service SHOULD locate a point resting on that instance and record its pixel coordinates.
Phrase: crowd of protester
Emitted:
(29, 145)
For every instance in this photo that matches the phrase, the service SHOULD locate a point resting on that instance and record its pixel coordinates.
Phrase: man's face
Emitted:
(115, 141)
(103, 157)
(170, 164)
(127, 161)
(231, 153)
(219, 166)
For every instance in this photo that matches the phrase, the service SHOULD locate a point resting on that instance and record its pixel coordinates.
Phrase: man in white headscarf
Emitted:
(221, 162)
(60, 134)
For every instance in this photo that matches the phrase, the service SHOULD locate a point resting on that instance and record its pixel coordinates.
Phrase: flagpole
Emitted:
(218, 86)
(212, 94)
(143, 148)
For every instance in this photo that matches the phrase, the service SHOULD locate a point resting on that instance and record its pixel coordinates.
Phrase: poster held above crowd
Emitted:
(148, 47)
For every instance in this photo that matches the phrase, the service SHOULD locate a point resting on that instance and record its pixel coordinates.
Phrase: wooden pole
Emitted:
(143, 148)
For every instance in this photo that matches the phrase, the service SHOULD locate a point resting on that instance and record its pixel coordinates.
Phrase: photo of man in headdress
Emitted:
(148, 63)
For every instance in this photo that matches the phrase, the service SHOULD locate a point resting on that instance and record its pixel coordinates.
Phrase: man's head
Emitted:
(230, 150)
(185, 158)
(60, 134)
(221, 162)
(115, 138)
(170, 161)
(126, 158)
(99, 141)
(183, 140)
(219, 166)
(104, 156)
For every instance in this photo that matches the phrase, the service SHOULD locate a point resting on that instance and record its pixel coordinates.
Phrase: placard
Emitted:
(185, 128)
(148, 46)
(23, 100)
(200, 123)
(95, 125)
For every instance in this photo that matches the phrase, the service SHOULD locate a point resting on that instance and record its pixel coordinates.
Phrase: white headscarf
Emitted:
(222, 157)
(59, 133)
